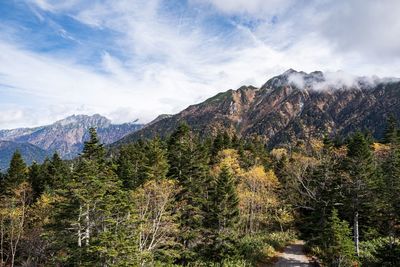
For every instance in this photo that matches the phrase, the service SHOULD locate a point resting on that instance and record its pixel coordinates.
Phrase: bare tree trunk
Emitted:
(356, 233)
(79, 227)
(252, 216)
(20, 226)
(87, 230)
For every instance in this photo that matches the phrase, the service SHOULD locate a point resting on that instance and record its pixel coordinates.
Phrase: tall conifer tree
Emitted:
(223, 215)
(391, 131)
(361, 170)
(132, 165)
(188, 165)
(17, 172)
(90, 219)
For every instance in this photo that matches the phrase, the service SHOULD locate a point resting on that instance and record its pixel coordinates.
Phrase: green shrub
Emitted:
(262, 247)
(279, 240)
(368, 250)
(250, 247)
(379, 252)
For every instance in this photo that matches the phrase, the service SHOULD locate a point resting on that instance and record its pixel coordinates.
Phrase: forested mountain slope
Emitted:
(30, 153)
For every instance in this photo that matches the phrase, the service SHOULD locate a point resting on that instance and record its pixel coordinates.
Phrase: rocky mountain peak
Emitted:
(68, 135)
(86, 121)
(295, 78)
(317, 80)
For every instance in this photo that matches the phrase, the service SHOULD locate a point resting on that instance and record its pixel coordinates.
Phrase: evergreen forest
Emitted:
(217, 201)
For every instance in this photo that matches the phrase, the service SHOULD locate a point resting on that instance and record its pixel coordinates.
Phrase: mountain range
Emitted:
(66, 137)
(288, 107)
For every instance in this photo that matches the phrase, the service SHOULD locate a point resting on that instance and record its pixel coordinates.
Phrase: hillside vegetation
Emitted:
(218, 201)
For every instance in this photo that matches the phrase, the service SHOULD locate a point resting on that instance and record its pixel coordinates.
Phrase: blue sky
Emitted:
(129, 59)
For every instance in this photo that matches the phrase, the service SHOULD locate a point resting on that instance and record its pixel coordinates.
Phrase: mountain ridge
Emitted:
(67, 136)
(291, 106)
(29, 152)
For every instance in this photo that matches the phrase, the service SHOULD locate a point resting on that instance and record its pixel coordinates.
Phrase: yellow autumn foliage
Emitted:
(258, 199)
(381, 150)
(279, 153)
(230, 159)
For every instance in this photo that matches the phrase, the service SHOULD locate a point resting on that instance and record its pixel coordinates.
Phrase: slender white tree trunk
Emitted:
(356, 233)
(87, 230)
(79, 227)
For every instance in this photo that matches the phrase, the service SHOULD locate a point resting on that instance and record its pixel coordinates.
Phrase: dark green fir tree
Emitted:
(222, 217)
(16, 174)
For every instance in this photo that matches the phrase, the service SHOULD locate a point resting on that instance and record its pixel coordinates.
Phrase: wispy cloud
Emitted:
(137, 59)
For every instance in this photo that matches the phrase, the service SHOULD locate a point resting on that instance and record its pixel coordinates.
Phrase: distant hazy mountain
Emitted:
(29, 152)
(68, 135)
(291, 106)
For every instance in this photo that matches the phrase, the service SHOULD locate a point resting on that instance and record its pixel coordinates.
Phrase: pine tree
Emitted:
(93, 149)
(179, 145)
(188, 165)
(223, 215)
(391, 131)
(36, 180)
(218, 144)
(257, 154)
(235, 142)
(323, 191)
(52, 175)
(131, 162)
(328, 142)
(339, 249)
(156, 160)
(91, 217)
(390, 196)
(361, 170)
(227, 141)
(16, 174)
(59, 172)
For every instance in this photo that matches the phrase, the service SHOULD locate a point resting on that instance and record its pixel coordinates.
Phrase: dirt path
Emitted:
(293, 256)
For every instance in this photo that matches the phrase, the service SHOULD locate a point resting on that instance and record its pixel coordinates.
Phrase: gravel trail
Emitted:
(294, 256)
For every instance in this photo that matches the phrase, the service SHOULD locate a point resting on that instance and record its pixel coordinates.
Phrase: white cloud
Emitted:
(54, 5)
(364, 27)
(251, 7)
(10, 115)
(296, 79)
(371, 28)
(333, 80)
(171, 60)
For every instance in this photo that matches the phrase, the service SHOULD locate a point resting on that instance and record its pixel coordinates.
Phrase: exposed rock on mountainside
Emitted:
(291, 106)
(68, 135)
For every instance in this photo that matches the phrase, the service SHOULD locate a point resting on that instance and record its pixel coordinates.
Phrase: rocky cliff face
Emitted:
(68, 135)
(291, 106)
